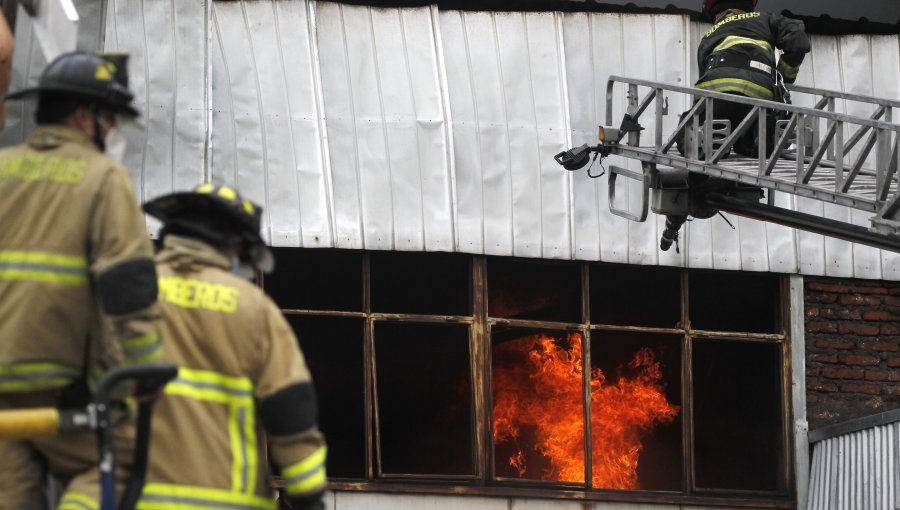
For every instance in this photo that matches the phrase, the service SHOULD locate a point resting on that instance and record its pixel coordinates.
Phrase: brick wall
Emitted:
(852, 349)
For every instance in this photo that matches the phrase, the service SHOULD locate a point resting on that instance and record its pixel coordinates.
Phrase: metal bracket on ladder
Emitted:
(643, 178)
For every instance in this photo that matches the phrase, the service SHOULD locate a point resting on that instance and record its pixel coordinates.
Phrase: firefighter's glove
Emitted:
(312, 502)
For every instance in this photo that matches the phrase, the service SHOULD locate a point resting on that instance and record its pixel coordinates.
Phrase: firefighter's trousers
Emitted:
(70, 456)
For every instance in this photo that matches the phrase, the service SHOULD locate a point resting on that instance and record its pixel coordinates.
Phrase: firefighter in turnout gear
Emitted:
(737, 56)
(243, 382)
(77, 279)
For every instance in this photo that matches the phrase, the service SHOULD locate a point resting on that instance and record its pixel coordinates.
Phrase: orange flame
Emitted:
(537, 384)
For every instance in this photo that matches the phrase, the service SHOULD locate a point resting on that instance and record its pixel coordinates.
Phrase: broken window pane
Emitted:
(624, 295)
(534, 290)
(333, 347)
(538, 412)
(738, 441)
(421, 283)
(734, 301)
(424, 398)
(636, 422)
(316, 279)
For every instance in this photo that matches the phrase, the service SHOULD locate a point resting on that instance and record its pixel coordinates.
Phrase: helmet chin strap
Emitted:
(98, 137)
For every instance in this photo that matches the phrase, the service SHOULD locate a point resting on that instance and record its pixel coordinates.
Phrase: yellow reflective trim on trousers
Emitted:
(734, 40)
(159, 496)
(237, 394)
(737, 85)
(35, 376)
(77, 501)
(306, 475)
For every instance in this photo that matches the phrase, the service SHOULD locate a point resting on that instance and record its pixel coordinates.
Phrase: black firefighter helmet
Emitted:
(713, 7)
(100, 79)
(215, 214)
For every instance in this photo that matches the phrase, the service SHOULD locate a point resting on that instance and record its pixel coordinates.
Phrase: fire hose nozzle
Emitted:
(670, 234)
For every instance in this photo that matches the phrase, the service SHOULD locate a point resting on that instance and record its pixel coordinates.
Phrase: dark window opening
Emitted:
(316, 280)
(738, 442)
(413, 414)
(534, 290)
(738, 302)
(538, 414)
(424, 398)
(417, 283)
(636, 422)
(333, 348)
(624, 295)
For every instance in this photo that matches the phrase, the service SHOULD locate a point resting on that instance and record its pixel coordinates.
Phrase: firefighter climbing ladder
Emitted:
(818, 154)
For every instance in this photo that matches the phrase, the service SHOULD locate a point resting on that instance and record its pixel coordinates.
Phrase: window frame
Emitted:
(480, 324)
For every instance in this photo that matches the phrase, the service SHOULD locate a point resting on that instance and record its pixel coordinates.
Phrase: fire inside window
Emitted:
(480, 373)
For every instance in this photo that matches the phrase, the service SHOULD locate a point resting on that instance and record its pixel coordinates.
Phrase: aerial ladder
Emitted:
(817, 153)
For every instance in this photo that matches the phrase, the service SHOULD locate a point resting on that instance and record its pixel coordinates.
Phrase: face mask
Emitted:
(115, 144)
(243, 270)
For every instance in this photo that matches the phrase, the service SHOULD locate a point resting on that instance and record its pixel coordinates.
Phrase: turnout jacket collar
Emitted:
(178, 248)
(49, 136)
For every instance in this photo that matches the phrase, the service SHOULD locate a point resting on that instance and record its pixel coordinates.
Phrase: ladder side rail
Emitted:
(826, 145)
(752, 102)
(735, 134)
(646, 154)
(860, 160)
(835, 94)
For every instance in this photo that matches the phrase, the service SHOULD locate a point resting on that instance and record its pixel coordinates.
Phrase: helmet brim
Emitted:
(34, 92)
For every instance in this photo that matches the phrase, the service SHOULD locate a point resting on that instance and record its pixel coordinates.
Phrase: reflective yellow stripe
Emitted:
(306, 475)
(737, 85)
(788, 70)
(32, 275)
(38, 266)
(39, 257)
(143, 349)
(734, 40)
(77, 501)
(159, 496)
(35, 376)
(237, 394)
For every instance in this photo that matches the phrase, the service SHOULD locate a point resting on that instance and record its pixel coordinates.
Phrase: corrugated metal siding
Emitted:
(168, 72)
(856, 471)
(419, 129)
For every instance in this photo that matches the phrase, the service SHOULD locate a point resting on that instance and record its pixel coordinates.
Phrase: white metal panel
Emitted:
(482, 129)
(168, 68)
(413, 129)
(248, 170)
